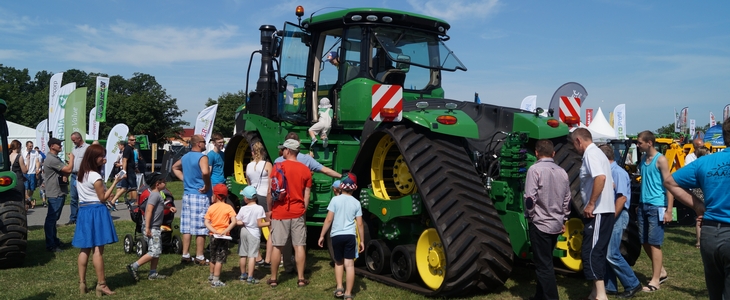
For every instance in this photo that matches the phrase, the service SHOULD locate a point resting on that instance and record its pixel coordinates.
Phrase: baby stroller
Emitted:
(171, 243)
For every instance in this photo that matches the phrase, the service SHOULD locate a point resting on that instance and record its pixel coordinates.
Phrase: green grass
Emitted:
(176, 187)
(55, 276)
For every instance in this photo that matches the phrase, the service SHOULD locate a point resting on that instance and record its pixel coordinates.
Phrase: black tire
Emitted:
(377, 257)
(477, 247)
(567, 158)
(176, 245)
(403, 263)
(128, 244)
(13, 231)
(141, 247)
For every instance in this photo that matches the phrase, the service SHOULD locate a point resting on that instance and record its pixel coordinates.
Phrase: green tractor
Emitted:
(13, 217)
(440, 180)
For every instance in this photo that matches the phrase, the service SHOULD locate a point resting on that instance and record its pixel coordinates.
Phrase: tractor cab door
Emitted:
(293, 68)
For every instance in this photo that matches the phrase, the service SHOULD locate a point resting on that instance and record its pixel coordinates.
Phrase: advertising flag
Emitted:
(570, 95)
(726, 112)
(712, 120)
(676, 121)
(75, 118)
(204, 122)
(692, 127)
(60, 112)
(529, 103)
(93, 126)
(589, 116)
(683, 121)
(41, 135)
(119, 133)
(619, 121)
(102, 88)
(53, 90)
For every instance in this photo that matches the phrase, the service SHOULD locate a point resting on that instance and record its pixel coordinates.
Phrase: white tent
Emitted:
(20, 133)
(600, 129)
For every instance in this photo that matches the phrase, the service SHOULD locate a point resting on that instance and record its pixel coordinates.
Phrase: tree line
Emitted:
(140, 102)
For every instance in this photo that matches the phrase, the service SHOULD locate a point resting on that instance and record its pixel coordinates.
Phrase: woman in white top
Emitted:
(257, 175)
(94, 225)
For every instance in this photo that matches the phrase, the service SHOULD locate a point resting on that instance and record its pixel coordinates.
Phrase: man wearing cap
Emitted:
(54, 174)
(287, 214)
(78, 151)
(196, 198)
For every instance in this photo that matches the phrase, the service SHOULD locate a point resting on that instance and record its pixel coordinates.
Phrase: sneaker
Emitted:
(54, 249)
(155, 276)
(186, 260)
(243, 277)
(71, 223)
(264, 265)
(210, 278)
(252, 280)
(217, 283)
(133, 272)
(261, 263)
(45, 204)
(325, 142)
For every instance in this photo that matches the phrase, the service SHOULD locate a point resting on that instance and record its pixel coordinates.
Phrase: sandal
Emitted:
(348, 297)
(663, 279)
(302, 282)
(650, 288)
(339, 293)
(272, 283)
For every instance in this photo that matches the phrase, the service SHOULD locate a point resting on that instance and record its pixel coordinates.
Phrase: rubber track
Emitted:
(477, 247)
(13, 234)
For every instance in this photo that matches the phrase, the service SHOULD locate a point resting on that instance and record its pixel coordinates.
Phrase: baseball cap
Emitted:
(249, 192)
(336, 184)
(220, 190)
(348, 182)
(332, 56)
(54, 141)
(290, 144)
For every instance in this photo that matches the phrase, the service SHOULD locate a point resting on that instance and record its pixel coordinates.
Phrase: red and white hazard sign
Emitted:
(569, 107)
(387, 103)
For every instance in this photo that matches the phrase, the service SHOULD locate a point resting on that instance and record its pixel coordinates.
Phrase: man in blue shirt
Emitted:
(711, 173)
(215, 159)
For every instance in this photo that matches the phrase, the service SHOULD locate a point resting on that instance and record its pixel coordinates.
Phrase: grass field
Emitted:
(55, 276)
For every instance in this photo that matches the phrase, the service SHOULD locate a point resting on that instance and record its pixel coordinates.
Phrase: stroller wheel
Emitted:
(176, 245)
(128, 244)
(141, 247)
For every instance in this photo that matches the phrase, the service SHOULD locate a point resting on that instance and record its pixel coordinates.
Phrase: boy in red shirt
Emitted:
(219, 219)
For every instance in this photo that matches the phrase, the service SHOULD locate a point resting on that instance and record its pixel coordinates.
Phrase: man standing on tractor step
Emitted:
(596, 189)
(547, 205)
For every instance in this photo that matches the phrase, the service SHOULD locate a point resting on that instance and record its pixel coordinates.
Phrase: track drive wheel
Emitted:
(128, 244)
(403, 263)
(573, 240)
(431, 258)
(141, 247)
(377, 257)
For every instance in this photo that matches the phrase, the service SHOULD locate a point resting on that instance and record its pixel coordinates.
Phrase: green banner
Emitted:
(142, 141)
(102, 88)
(75, 117)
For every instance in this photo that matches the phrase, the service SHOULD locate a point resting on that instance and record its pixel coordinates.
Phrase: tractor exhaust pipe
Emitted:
(262, 101)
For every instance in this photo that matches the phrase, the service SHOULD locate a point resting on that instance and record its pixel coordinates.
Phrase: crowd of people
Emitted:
(605, 190)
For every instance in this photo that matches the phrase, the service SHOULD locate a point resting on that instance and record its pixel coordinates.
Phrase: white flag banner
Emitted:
(691, 127)
(204, 122)
(677, 128)
(119, 133)
(60, 111)
(41, 135)
(712, 120)
(529, 103)
(54, 88)
(93, 126)
(619, 121)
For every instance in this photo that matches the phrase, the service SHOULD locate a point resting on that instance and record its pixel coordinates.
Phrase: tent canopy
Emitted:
(600, 129)
(20, 133)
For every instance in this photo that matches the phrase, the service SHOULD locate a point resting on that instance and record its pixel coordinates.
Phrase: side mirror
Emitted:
(403, 62)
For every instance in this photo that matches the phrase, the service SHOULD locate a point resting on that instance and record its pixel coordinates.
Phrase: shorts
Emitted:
(248, 244)
(218, 250)
(281, 230)
(344, 247)
(154, 243)
(30, 183)
(261, 200)
(192, 218)
(651, 231)
(130, 182)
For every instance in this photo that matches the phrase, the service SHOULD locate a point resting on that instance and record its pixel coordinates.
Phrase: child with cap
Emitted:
(323, 125)
(336, 188)
(153, 217)
(343, 211)
(251, 217)
(219, 219)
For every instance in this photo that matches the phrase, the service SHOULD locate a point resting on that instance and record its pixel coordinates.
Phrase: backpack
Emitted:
(278, 183)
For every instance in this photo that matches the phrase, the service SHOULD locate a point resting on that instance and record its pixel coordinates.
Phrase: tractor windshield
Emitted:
(417, 48)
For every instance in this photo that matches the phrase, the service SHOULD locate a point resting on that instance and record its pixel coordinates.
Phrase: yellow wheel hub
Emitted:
(431, 259)
(391, 178)
(243, 151)
(572, 244)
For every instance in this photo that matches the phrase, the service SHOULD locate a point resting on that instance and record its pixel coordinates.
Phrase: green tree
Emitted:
(225, 116)
(665, 130)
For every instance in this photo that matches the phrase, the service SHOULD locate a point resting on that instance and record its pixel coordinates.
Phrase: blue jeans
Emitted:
(715, 252)
(74, 198)
(617, 265)
(55, 206)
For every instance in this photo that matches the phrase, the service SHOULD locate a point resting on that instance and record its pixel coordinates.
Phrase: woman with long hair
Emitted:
(19, 168)
(257, 175)
(94, 225)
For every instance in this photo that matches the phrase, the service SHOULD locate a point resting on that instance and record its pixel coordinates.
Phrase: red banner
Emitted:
(589, 116)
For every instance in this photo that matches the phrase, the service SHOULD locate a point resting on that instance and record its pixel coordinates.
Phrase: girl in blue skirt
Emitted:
(94, 226)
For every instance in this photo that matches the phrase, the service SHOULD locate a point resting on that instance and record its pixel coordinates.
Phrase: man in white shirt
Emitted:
(697, 143)
(32, 160)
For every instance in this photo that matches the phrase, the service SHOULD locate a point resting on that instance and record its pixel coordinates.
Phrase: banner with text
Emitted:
(53, 90)
(119, 133)
(41, 135)
(619, 121)
(676, 121)
(712, 120)
(93, 126)
(75, 117)
(692, 127)
(683, 121)
(573, 92)
(102, 88)
(529, 103)
(204, 122)
(726, 112)
(60, 112)
(589, 116)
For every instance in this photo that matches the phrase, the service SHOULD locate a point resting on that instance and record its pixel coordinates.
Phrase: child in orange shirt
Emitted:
(219, 219)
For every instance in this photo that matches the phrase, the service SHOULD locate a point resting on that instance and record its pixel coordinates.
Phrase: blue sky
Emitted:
(652, 55)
